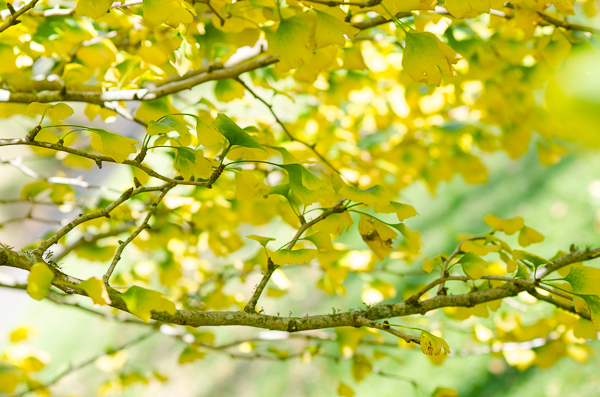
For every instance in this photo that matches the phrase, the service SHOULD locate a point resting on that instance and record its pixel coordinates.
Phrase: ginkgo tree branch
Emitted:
(51, 12)
(99, 159)
(141, 94)
(15, 14)
(25, 260)
(131, 192)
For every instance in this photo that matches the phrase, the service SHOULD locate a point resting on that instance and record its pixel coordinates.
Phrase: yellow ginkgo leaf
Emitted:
(92, 8)
(172, 12)
(344, 390)
(467, 8)
(96, 290)
(39, 281)
(377, 235)
(60, 111)
(294, 39)
(444, 392)
(206, 133)
(564, 6)
(412, 240)
(403, 211)
(116, 146)
(332, 27)
(508, 226)
(9, 59)
(430, 264)
(261, 240)
(425, 56)
(227, 90)
(190, 354)
(373, 195)
(141, 302)
(481, 250)
(322, 240)
(529, 236)
(289, 257)
(247, 185)
(433, 345)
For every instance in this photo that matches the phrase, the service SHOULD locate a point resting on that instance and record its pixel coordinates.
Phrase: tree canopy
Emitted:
(187, 163)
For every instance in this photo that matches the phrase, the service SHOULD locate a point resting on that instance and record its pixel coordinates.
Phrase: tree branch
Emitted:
(142, 94)
(12, 19)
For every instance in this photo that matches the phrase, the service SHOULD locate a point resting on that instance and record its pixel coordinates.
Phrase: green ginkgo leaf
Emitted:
(473, 265)
(39, 281)
(141, 302)
(593, 303)
(305, 186)
(261, 240)
(374, 195)
(168, 124)
(289, 257)
(585, 280)
(234, 134)
(116, 146)
(533, 259)
(189, 162)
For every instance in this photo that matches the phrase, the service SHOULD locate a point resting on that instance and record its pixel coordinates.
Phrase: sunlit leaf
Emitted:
(508, 226)
(39, 281)
(473, 265)
(96, 289)
(116, 146)
(290, 257)
(425, 56)
(234, 134)
(430, 264)
(528, 236)
(141, 302)
(432, 345)
(261, 240)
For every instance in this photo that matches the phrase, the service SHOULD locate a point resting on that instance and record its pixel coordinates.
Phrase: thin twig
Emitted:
(143, 226)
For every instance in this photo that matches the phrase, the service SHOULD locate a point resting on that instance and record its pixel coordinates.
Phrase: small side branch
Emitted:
(15, 14)
(143, 226)
(386, 328)
(271, 267)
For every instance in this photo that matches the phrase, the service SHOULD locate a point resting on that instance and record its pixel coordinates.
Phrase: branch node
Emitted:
(33, 133)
